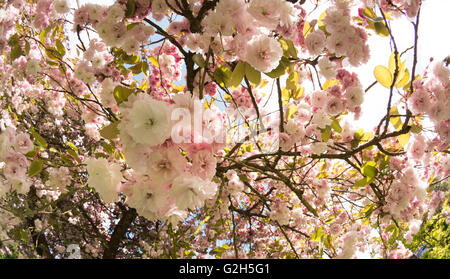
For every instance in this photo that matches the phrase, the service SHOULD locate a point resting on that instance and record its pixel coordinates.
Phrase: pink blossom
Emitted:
(204, 164)
(23, 143)
(315, 42)
(264, 53)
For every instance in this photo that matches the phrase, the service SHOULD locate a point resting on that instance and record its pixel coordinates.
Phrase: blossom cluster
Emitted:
(143, 119)
(13, 147)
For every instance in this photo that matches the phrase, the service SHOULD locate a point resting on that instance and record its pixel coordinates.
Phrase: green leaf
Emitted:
(362, 182)
(67, 159)
(60, 47)
(297, 93)
(131, 8)
(39, 139)
(416, 129)
(109, 148)
(16, 50)
(132, 25)
(326, 133)
(74, 155)
(121, 93)
(291, 49)
(328, 242)
(44, 34)
(292, 81)
(27, 47)
(111, 131)
(365, 213)
(280, 69)
(288, 48)
(369, 169)
(52, 53)
(222, 75)
(199, 60)
(136, 69)
(101, 155)
(253, 75)
(31, 153)
(335, 125)
(381, 29)
(243, 177)
(72, 146)
(131, 59)
(145, 68)
(317, 234)
(358, 135)
(238, 74)
(35, 167)
(52, 63)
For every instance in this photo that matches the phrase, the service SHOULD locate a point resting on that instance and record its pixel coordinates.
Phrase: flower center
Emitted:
(164, 164)
(264, 55)
(150, 122)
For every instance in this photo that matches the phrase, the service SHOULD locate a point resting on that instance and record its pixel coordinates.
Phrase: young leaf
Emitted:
(383, 75)
(222, 75)
(121, 93)
(381, 29)
(72, 146)
(38, 139)
(369, 169)
(285, 96)
(35, 167)
(16, 50)
(298, 92)
(199, 60)
(131, 59)
(131, 8)
(307, 29)
(280, 69)
(395, 121)
(154, 61)
(136, 69)
(292, 51)
(292, 80)
(335, 125)
(238, 74)
(404, 80)
(416, 129)
(362, 182)
(329, 83)
(404, 139)
(253, 75)
(326, 133)
(60, 47)
(110, 131)
(290, 111)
